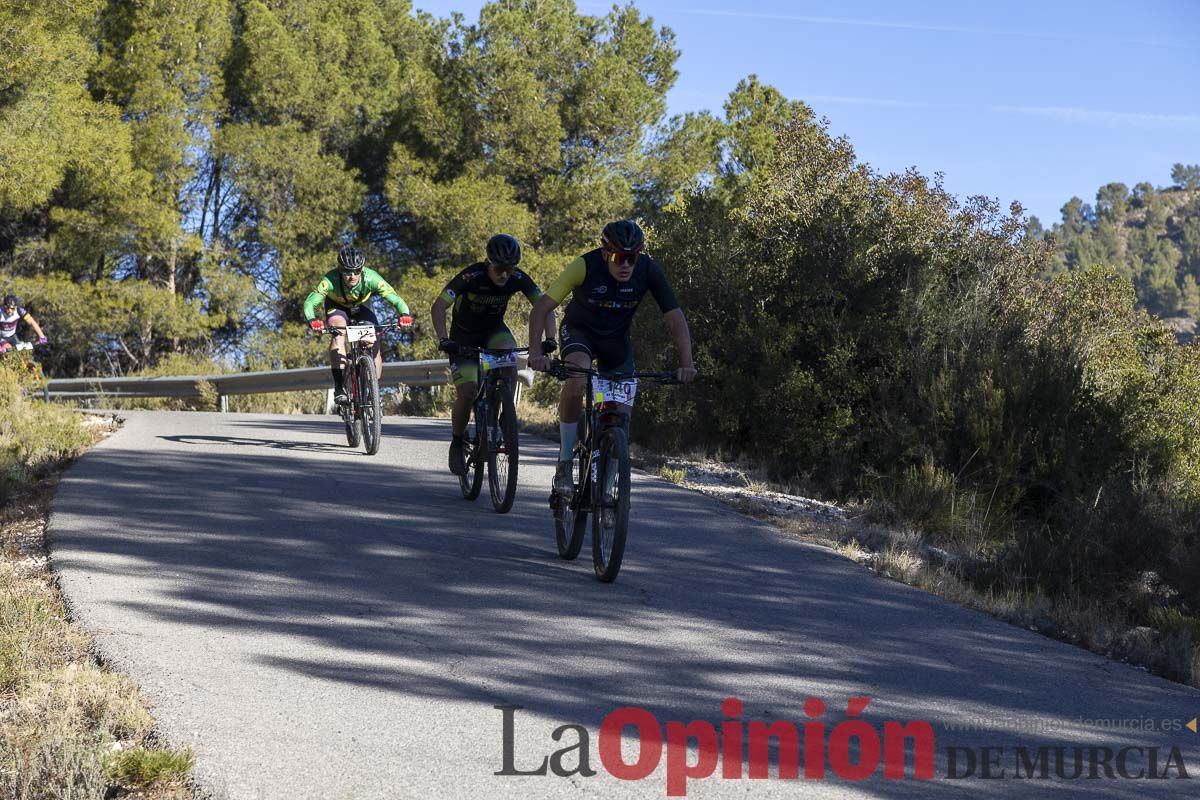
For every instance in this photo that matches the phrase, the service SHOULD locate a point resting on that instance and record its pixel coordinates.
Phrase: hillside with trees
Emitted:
(1150, 235)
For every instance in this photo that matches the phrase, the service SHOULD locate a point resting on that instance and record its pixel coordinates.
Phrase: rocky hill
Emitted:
(1152, 235)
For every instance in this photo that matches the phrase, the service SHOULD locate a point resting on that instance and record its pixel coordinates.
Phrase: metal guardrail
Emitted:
(395, 373)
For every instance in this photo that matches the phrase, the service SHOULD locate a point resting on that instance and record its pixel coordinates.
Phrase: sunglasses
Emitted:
(621, 259)
(503, 269)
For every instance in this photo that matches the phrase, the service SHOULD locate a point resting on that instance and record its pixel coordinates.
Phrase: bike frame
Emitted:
(593, 419)
(364, 404)
(602, 455)
(495, 433)
(355, 349)
(488, 379)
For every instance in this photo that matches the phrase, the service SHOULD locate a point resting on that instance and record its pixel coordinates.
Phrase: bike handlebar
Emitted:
(563, 370)
(469, 350)
(336, 330)
(23, 347)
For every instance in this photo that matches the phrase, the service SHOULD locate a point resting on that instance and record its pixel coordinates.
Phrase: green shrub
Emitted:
(33, 434)
(140, 768)
(872, 333)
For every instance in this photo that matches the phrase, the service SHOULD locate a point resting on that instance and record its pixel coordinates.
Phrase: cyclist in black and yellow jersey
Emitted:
(344, 292)
(479, 295)
(606, 285)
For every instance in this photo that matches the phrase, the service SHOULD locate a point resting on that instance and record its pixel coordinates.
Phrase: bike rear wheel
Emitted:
(503, 448)
(474, 454)
(370, 404)
(610, 523)
(570, 523)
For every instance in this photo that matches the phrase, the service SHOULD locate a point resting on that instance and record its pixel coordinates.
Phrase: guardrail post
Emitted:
(329, 400)
(223, 403)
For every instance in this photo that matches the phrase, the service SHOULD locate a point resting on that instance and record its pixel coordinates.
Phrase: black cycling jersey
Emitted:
(479, 304)
(603, 305)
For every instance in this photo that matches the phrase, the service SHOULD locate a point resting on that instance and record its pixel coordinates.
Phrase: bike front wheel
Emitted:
(610, 523)
(474, 454)
(571, 513)
(346, 410)
(370, 404)
(503, 448)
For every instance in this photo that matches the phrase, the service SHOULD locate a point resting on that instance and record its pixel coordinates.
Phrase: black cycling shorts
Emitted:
(614, 354)
(358, 314)
(465, 370)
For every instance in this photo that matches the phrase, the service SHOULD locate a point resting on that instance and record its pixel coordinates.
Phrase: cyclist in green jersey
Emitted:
(479, 295)
(344, 292)
(606, 285)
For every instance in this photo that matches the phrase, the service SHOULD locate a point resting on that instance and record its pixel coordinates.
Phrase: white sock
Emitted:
(566, 440)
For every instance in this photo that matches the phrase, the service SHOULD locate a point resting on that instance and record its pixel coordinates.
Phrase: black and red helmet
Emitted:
(623, 236)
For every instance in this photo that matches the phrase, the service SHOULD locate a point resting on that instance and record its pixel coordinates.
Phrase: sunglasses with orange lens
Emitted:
(622, 259)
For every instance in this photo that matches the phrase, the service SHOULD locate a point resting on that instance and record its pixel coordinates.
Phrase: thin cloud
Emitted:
(1062, 113)
(912, 26)
(850, 100)
(1111, 118)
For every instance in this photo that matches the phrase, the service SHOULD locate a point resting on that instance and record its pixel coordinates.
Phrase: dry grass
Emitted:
(66, 722)
(537, 419)
(307, 402)
(1169, 648)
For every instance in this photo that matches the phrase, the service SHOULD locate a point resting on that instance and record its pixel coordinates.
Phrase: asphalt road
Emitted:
(317, 623)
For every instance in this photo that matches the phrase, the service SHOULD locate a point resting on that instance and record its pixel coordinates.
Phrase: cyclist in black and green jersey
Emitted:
(344, 293)
(606, 285)
(479, 295)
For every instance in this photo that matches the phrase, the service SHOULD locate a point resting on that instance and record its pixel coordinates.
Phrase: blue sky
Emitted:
(1027, 101)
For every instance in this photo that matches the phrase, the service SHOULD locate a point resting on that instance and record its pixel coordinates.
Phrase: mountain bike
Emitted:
(25, 352)
(491, 434)
(600, 468)
(363, 411)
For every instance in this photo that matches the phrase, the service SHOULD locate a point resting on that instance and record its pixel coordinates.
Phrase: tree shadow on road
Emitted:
(276, 444)
(397, 584)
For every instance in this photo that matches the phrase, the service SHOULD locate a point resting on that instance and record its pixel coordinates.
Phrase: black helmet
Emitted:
(623, 236)
(504, 250)
(350, 259)
(11, 300)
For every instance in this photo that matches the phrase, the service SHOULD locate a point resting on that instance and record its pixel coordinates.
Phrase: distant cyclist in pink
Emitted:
(10, 316)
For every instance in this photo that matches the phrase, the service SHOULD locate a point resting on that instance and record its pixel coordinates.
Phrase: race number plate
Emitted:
(621, 392)
(361, 333)
(497, 362)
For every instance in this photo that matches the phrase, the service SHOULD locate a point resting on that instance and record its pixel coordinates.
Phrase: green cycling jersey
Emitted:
(333, 290)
